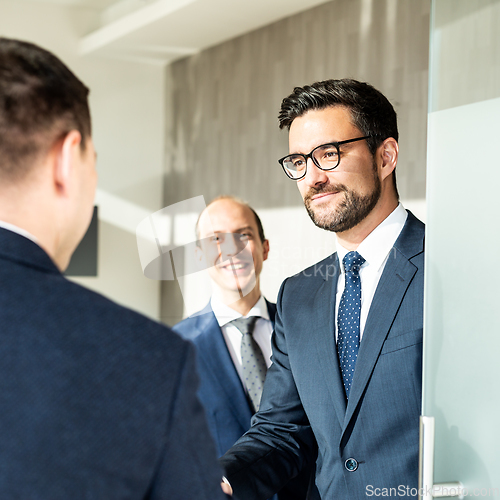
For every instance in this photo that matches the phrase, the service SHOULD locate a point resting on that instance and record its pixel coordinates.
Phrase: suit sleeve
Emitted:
(280, 442)
(188, 467)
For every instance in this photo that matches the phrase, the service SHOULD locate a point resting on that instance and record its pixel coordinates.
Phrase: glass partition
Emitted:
(462, 298)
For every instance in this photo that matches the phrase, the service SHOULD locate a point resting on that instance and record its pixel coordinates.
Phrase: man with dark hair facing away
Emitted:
(96, 401)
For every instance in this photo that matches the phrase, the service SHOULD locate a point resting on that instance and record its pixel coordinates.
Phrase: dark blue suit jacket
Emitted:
(96, 401)
(304, 404)
(221, 392)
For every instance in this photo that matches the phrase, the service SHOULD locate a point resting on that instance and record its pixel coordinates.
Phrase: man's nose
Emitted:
(231, 245)
(314, 175)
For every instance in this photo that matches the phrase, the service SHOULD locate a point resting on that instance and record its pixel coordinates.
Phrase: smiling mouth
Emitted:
(233, 266)
(320, 196)
(238, 271)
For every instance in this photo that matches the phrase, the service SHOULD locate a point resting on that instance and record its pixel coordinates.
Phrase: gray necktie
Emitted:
(252, 359)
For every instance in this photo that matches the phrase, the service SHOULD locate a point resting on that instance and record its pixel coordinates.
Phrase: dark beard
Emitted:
(349, 213)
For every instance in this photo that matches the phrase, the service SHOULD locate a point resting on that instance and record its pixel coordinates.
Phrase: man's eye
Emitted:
(245, 236)
(330, 154)
(295, 163)
(298, 162)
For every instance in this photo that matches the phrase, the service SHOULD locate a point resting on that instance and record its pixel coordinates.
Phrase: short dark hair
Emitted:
(260, 227)
(41, 101)
(370, 110)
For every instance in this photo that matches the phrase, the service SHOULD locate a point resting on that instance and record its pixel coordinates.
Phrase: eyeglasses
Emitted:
(325, 157)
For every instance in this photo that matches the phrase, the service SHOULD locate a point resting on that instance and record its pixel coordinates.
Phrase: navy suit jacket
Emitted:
(304, 405)
(221, 392)
(96, 401)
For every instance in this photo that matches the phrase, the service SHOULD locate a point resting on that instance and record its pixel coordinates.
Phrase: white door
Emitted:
(461, 375)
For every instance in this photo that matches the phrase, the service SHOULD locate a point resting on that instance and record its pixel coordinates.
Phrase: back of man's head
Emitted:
(41, 100)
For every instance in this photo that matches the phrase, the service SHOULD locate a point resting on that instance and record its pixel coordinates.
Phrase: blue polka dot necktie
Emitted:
(348, 318)
(252, 359)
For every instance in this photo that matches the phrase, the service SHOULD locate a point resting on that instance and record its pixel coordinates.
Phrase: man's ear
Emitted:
(265, 247)
(388, 151)
(67, 152)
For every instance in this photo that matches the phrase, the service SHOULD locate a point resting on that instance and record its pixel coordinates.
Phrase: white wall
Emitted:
(127, 103)
(295, 244)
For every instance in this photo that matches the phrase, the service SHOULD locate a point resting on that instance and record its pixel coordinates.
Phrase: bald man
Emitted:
(235, 328)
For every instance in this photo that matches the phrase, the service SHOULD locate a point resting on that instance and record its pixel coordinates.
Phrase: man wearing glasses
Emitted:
(347, 348)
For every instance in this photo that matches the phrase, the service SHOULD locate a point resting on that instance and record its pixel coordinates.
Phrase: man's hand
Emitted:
(226, 487)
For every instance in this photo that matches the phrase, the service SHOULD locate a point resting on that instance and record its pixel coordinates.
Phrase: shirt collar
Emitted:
(377, 245)
(18, 230)
(226, 314)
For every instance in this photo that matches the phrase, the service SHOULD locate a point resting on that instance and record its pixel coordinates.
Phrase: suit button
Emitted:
(351, 464)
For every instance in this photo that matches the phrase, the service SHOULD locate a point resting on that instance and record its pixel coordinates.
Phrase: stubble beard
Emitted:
(350, 211)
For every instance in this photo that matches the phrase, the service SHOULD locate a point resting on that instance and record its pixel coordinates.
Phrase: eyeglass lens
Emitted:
(325, 156)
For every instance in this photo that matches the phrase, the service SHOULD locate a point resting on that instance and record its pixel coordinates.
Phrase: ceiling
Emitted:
(161, 31)
(94, 4)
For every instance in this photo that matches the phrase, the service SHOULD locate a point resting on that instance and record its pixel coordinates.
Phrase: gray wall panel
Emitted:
(222, 115)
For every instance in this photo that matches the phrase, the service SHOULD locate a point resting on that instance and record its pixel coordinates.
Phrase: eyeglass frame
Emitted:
(310, 155)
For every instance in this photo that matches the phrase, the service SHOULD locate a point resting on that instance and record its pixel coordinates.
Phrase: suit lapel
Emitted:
(390, 292)
(218, 362)
(395, 279)
(325, 338)
(271, 309)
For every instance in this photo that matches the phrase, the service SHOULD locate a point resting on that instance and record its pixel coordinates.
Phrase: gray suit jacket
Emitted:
(304, 404)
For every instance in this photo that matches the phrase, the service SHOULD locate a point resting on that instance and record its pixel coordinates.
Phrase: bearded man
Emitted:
(345, 382)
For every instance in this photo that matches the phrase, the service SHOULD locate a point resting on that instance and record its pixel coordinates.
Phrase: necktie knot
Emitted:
(245, 325)
(353, 262)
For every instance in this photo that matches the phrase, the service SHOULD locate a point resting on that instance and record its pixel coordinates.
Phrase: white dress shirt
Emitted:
(376, 250)
(261, 334)
(18, 230)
